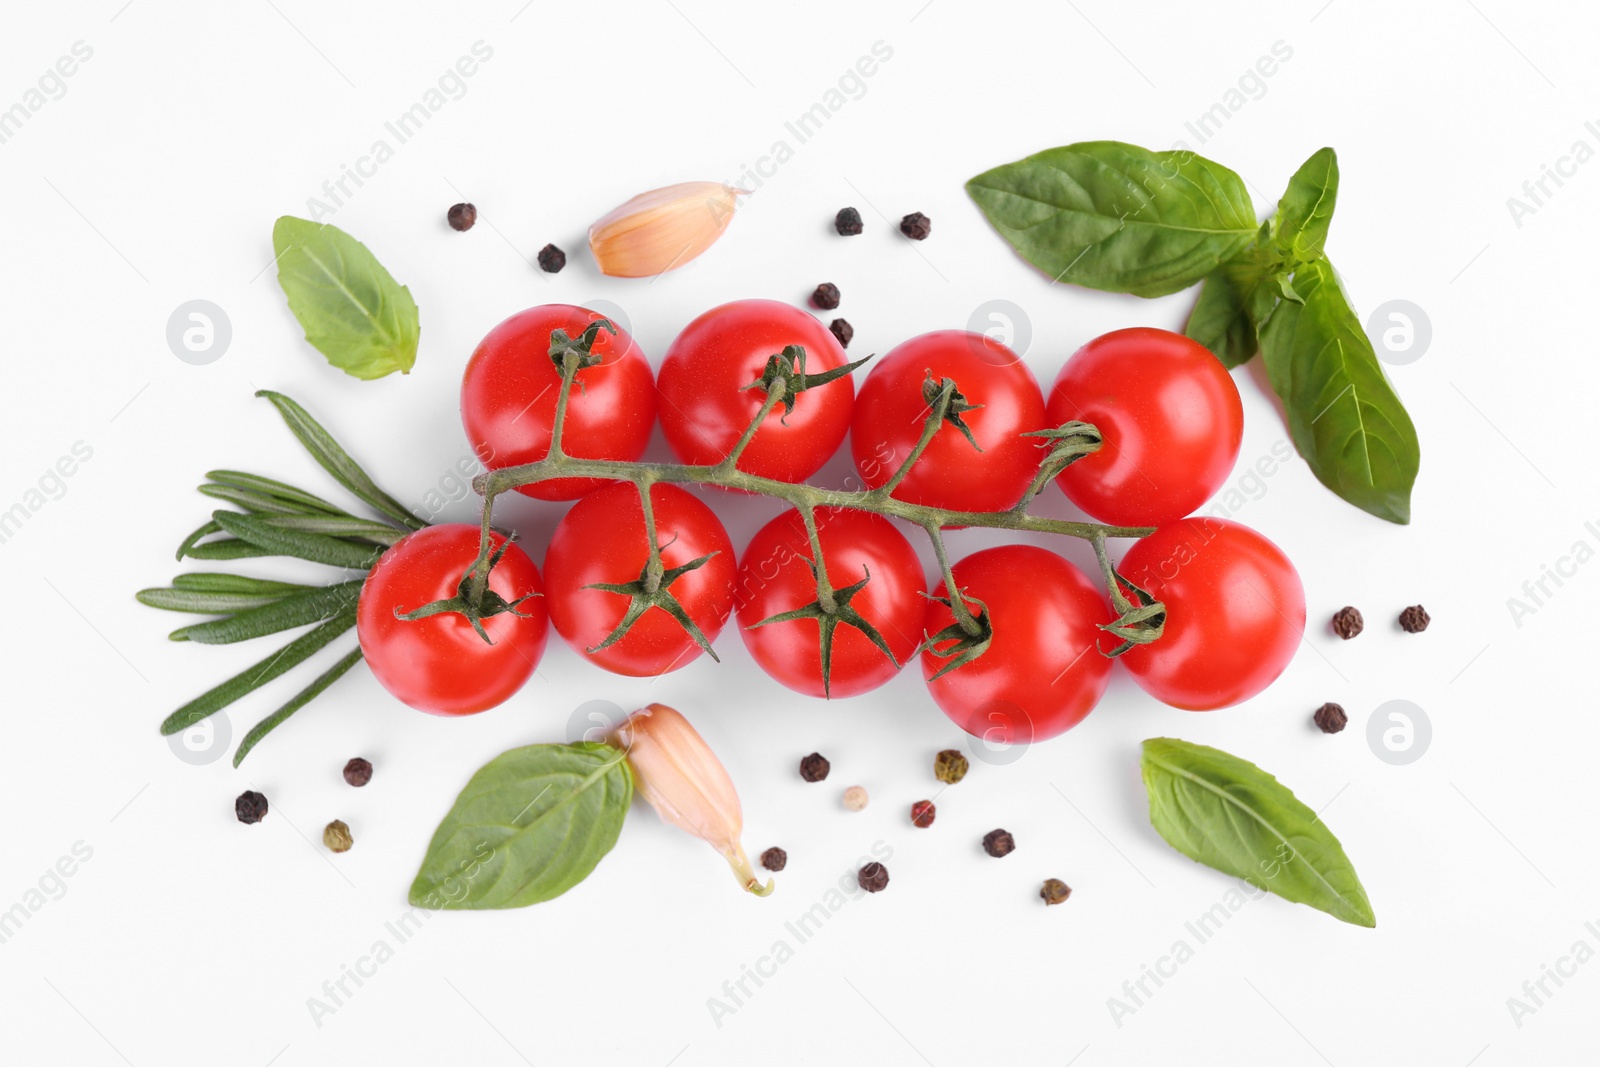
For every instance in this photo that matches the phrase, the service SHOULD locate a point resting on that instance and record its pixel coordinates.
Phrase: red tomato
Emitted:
(1235, 613)
(1171, 421)
(1043, 671)
(602, 539)
(439, 664)
(774, 577)
(509, 392)
(890, 413)
(705, 405)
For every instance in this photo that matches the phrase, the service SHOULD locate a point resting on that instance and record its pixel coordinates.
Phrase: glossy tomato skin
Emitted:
(774, 578)
(705, 405)
(439, 664)
(1043, 672)
(890, 412)
(510, 388)
(1171, 421)
(602, 539)
(1235, 613)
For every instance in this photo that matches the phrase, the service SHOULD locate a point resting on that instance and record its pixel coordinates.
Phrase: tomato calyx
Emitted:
(968, 641)
(474, 605)
(1139, 621)
(1067, 444)
(652, 589)
(789, 368)
(955, 403)
(831, 608)
(578, 350)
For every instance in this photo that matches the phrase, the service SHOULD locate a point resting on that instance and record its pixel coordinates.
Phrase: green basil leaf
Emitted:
(1300, 229)
(1343, 414)
(1235, 301)
(530, 825)
(351, 308)
(1230, 815)
(1118, 217)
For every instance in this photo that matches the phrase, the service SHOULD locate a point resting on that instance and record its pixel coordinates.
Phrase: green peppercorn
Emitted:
(950, 766)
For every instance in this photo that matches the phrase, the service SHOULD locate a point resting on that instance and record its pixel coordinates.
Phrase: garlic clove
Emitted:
(676, 771)
(663, 229)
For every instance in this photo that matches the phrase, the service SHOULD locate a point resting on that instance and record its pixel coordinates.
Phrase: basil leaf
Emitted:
(1343, 414)
(1300, 229)
(1235, 301)
(1230, 815)
(352, 309)
(1118, 217)
(530, 825)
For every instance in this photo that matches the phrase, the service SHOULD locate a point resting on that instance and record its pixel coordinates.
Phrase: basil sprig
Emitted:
(1116, 217)
(1231, 815)
(530, 825)
(351, 308)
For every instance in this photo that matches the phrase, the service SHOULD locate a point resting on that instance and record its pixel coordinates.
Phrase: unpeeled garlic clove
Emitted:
(662, 229)
(676, 771)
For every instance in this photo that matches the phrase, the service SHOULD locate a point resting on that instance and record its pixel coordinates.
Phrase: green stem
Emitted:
(958, 603)
(569, 374)
(655, 568)
(825, 599)
(930, 427)
(775, 392)
(794, 493)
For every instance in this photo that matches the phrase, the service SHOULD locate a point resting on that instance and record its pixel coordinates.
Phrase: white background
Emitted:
(189, 939)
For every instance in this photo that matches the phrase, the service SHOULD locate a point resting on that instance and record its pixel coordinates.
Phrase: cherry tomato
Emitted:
(439, 664)
(1043, 671)
(1171, 421)
(890, 412)
(705, 405)
(1235, 613)
(774, 577)
(510, 388)
(602, 539)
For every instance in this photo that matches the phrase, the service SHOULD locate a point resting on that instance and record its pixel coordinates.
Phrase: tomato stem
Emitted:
(784, 380)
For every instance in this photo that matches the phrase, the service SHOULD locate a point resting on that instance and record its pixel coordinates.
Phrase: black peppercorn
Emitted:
(1414, 619)
(774, 859)
(814, 768)
(922, 813)
(1347, 622)
(251, 807)
(462, 216)
(843, 331)
(825, 296)
(847, 222)
(1054, 891)
(1330, 718)
(950, 766)
(873, 877)
(916, 226)
(552, 259)
(358, 772)
(999, 843)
